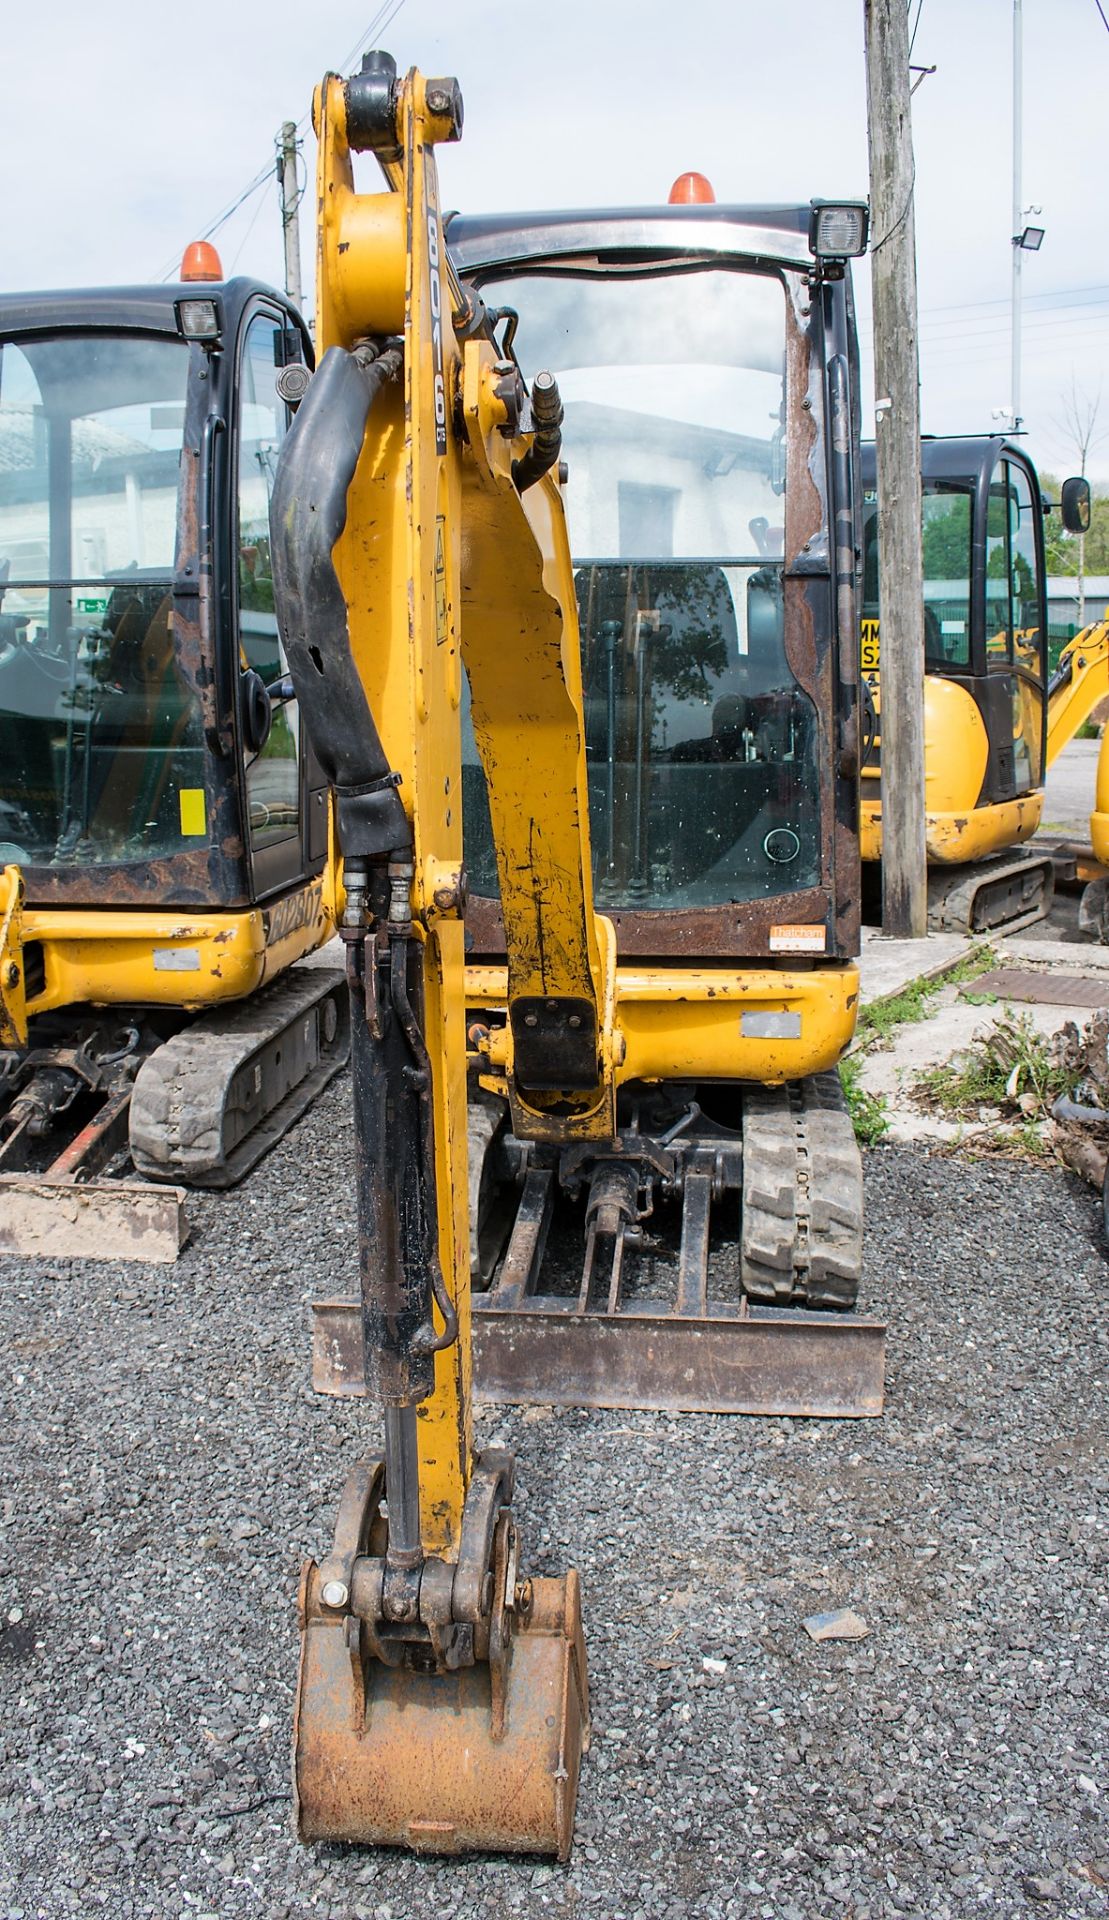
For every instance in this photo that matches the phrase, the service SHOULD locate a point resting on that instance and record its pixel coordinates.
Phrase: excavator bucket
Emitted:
(433, 1761)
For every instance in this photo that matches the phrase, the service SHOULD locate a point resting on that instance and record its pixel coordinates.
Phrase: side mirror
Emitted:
(255, 711)
(1074, 504)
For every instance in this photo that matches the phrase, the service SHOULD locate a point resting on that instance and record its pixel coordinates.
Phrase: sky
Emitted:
(128, 128)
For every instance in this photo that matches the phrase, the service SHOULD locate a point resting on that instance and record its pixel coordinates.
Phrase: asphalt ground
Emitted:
(165, 1468)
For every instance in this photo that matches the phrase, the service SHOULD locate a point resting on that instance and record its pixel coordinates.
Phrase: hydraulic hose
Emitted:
(308, 513)
(546, 410)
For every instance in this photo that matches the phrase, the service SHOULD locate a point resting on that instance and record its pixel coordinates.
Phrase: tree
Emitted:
(1061, 549)
(1079, 425)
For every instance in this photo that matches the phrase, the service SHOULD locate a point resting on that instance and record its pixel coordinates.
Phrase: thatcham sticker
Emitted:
(806, 939)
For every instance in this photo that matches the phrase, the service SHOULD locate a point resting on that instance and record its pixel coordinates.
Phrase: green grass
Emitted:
(879, 1021)
(869, 1115)
(1009, 1068)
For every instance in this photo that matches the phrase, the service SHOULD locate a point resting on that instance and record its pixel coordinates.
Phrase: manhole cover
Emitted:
(1050, 989)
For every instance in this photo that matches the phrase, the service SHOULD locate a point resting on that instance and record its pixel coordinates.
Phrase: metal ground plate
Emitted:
(1052, 989)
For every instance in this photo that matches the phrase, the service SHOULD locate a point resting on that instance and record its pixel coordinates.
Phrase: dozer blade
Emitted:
(390, 1757)
(102, 1220)
(688, 1348)
(760, 1361)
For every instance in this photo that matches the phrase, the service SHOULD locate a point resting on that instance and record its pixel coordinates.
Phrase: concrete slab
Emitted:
(888, 966)
(954, 1021)
(1078, 957)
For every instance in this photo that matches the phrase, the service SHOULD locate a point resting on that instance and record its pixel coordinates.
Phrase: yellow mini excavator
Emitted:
(993, 723)
(706, 359)
(596, 804)
(163, 823)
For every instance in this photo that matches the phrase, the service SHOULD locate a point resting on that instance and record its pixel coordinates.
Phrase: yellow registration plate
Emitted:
(868, 646)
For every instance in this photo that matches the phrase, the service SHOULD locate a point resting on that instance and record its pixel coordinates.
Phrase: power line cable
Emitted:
(1057, 293)
(245, 238)
(949, 334)
(382, 19)
(912, 36)
(1101, 10)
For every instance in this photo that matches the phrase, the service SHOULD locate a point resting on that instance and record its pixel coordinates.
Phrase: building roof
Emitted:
(1064, 586)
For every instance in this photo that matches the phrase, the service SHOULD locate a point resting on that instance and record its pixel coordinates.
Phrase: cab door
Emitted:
(1015, 634)
(284, 788)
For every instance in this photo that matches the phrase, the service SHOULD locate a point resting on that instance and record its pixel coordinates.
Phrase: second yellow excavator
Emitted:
(163, 823)
(993, 721)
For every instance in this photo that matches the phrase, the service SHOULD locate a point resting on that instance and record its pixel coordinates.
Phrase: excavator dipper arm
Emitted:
(416, 522)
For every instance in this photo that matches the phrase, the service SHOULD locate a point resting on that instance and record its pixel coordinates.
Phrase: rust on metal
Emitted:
(739, 930)
(105, 1135)
(180, 880)
(391, 1757)
(762, 1361)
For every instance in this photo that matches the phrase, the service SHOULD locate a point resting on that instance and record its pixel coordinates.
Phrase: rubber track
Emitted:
(802, 1223)
(953, 891)
(177, 1108)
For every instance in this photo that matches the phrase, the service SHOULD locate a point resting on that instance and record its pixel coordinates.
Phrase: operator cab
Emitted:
(985, 604)
(696, 349)
(141, 759)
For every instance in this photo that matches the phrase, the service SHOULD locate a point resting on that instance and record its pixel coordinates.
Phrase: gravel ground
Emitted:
(165, 1469)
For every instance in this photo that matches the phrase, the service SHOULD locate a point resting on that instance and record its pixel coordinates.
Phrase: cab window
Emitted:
(1013, 635)
(946, 554)
(272, 776)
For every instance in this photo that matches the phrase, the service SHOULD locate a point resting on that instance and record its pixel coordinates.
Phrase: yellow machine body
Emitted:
(120, 957)
(688, 1022)
(985, 676)
(162, 824)
(957, 827)
(422, 556)
(1082, 684)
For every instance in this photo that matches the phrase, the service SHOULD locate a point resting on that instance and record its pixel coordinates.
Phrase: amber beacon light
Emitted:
(692, 190)
(200, 261)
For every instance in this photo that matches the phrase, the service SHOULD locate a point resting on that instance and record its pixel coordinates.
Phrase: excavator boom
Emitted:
(442, 1700)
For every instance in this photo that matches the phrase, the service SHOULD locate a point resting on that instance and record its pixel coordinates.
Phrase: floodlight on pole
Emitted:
(1017, 226)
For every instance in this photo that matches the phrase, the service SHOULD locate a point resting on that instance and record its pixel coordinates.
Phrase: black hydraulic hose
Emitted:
(1062, 677)
(410, 1027)
(308, 513)
(546, 409)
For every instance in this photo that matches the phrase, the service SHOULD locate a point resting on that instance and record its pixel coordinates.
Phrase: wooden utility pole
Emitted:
(897, 433)
(290, 207)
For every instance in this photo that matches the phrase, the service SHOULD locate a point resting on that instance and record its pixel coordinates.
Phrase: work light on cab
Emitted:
(838, 229)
